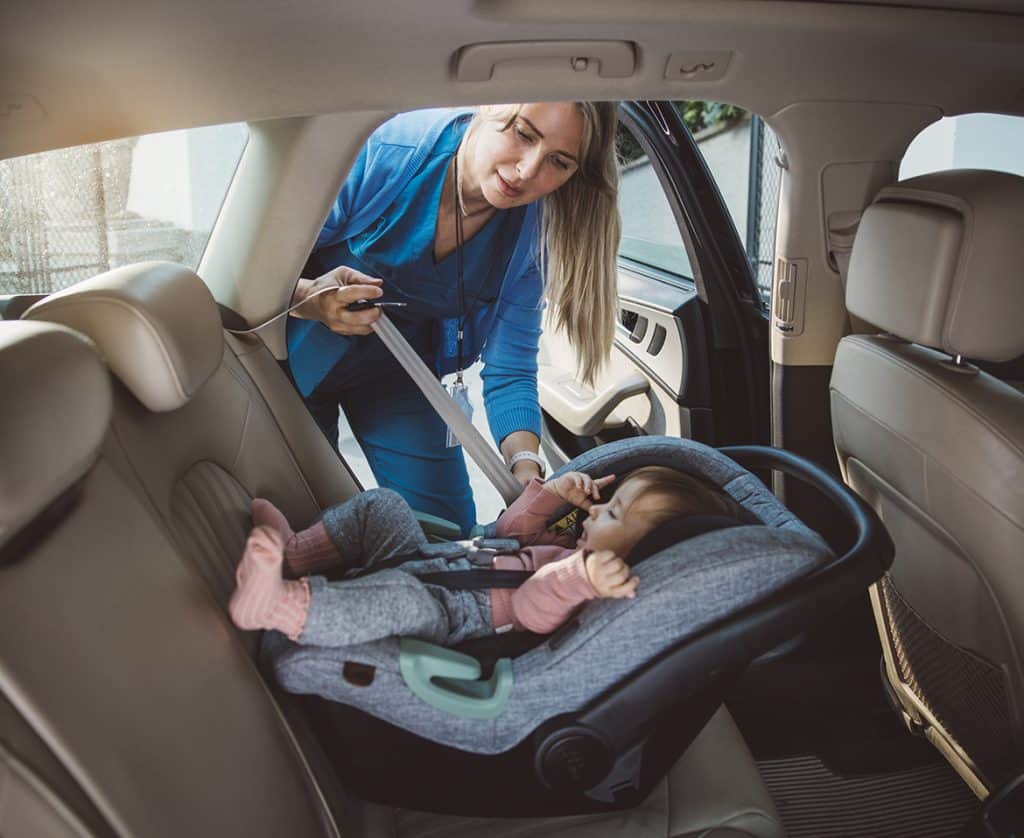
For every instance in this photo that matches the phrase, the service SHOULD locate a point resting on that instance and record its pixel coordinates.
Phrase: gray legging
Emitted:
(371, 527)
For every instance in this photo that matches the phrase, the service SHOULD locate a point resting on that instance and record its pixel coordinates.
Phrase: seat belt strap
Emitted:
(475, 580)
(472, 440)
(842, 230)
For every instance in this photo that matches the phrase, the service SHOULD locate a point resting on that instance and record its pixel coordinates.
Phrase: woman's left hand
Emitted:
(525, 470)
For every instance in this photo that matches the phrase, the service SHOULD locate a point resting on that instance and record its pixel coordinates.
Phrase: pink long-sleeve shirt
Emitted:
(560, 583)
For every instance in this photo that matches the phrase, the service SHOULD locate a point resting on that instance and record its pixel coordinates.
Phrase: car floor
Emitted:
(928, 801)
(837, 759)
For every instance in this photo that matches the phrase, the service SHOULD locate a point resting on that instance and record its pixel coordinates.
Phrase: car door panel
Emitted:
(654, 382)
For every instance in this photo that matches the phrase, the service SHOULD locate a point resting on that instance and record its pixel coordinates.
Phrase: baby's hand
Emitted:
(610, 575)
(578, 488)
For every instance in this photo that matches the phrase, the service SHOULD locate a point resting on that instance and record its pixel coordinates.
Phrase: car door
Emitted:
(690, 356)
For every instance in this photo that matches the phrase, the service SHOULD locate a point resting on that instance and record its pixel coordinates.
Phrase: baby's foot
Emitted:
(263, 599)
(307, 552)
(265, 514)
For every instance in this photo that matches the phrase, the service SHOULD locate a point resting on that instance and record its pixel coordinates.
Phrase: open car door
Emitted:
(690, 357)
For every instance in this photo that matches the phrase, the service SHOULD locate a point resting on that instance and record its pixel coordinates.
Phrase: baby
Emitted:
(377, 525)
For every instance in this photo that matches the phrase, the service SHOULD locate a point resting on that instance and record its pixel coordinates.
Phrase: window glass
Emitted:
(971, 141)
(740, 151)
(650, 234)
(70, 214)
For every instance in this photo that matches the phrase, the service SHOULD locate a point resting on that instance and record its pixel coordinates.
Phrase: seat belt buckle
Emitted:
(445, 550)
(483, 550)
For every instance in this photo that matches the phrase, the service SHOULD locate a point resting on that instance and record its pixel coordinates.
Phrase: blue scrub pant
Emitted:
(401, 435)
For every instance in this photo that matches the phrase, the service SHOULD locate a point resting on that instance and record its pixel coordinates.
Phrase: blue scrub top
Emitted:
(399, 248)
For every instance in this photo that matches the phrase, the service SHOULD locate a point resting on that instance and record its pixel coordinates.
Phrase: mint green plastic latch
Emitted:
(437, 529)
(441, 529)
(450, 680)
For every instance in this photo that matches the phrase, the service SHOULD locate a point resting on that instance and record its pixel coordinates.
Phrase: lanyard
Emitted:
(459, 211)
(460, 287)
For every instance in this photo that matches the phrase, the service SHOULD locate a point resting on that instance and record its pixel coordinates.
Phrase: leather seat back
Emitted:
(191, 428)
(937, 448)
(137, 709)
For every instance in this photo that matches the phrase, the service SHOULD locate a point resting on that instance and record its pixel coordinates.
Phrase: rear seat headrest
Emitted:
(155, 324)
(939, 260)
(57, 406)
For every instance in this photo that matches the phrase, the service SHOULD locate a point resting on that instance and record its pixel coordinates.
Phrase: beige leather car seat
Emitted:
(127, 704)
(937, 448)
(198, 438)
(190, 427)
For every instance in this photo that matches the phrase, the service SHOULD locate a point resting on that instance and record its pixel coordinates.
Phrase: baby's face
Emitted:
(619, 524)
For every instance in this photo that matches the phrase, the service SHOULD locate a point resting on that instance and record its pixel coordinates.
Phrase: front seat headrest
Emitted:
(939, 260)
(155, 324)
(57, 406)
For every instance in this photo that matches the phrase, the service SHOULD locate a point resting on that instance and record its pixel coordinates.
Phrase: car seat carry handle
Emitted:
(450, 681)
(871, 536)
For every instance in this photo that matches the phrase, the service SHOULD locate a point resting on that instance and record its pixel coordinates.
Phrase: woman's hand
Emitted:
(329, 308)
(578, 488)
(610, 575)
(525, 470)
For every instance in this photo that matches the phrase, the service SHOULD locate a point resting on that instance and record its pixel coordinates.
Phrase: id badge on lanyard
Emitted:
(460, 395)
(458, 389)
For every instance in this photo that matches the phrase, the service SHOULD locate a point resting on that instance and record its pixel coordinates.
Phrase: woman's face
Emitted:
(535, 155)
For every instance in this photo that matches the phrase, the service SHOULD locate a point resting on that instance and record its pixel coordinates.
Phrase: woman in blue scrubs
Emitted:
(458, 216)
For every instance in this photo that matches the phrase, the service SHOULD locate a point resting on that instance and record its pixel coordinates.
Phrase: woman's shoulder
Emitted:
(417, 129)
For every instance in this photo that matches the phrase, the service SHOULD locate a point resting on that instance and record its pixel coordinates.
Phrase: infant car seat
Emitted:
(593, 716)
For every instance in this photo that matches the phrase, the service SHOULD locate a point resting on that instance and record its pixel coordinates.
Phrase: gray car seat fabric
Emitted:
(682, 590)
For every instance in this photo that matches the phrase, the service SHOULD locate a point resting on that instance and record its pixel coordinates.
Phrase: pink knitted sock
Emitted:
(265, 514)
(263, 599)
(306, 552)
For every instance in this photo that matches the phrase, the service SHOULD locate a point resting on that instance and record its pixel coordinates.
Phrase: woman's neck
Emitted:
(469, 195)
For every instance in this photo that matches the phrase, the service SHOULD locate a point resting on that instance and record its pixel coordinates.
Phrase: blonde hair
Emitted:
(579, 241)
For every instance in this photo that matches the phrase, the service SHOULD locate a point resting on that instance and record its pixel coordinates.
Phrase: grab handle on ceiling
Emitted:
(613, 59)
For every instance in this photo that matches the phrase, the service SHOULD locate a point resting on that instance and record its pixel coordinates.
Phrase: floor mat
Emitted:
(925, 802)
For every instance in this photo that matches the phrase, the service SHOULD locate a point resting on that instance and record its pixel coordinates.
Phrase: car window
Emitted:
(70, 214)
(650, 234)
(740, 151)
(970, 141)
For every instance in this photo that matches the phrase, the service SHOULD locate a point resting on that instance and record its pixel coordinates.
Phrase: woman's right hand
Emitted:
(348, 285)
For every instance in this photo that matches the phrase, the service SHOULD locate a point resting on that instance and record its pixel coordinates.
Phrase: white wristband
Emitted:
(519, 456)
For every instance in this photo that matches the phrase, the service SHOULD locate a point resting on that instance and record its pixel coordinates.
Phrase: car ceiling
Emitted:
(78, 72)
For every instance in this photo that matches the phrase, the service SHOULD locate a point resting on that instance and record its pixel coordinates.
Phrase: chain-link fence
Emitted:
(765, 182)
(64, 217)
